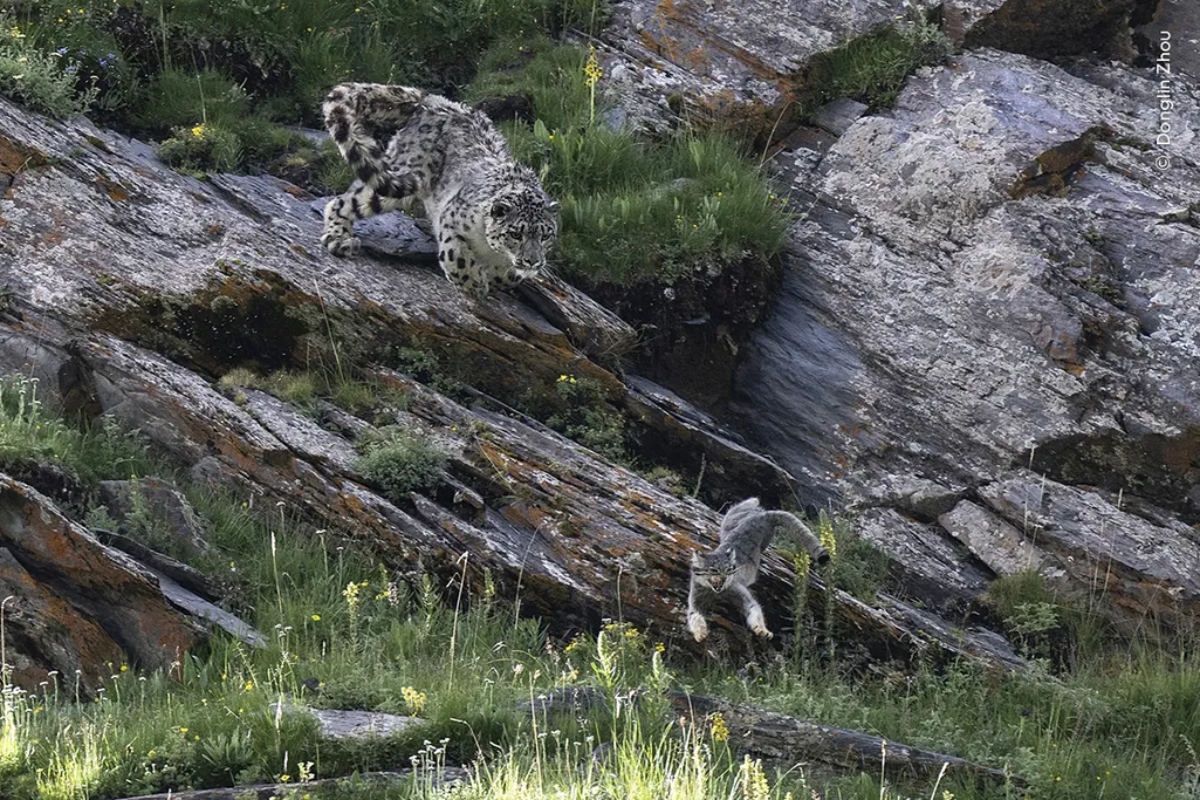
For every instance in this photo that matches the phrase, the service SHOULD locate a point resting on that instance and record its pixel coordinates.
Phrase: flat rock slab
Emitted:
(1148, 569)
(394, 233)
(197, 606)
(342, 725)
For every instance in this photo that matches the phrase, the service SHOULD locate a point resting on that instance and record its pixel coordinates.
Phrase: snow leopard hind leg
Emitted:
(360, 202)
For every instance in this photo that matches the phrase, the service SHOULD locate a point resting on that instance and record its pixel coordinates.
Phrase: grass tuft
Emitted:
(632, 210)
(399, 462)
(98, 452)
(873, 68)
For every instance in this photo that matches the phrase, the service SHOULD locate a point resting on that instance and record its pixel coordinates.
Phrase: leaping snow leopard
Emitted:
(493, 222)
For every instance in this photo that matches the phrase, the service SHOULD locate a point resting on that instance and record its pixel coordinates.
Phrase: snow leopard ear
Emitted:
(500, 209)
(552, 205)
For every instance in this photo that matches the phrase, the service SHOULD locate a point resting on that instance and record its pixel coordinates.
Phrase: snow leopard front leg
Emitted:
(700, 597)
(360, 202)
(452, 229)
(754, 612)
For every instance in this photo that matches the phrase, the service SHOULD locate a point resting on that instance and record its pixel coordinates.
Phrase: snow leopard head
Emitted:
(522, 224)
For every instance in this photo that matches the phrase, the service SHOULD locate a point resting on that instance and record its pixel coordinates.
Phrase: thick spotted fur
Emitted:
(493, 222)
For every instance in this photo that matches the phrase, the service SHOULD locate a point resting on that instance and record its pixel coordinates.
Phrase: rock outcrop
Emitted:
(72, 606)
(999, 274)
(996, 279)
(133, 289)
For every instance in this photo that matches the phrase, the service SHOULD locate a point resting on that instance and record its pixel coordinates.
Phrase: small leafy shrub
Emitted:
(584, 415)
(400, 462)
(211, 130)
(202, 148)
(79, 33)
(423, 366)
(45, 82)
(859, 567)
(1032, 615)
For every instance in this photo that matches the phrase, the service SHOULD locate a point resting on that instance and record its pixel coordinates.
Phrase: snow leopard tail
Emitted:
(361, 118)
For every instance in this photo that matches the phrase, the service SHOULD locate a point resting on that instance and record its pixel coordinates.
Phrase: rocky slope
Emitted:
(988, 329)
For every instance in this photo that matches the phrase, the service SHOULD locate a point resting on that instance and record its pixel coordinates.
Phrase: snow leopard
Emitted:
(746, 532)
(493, 222)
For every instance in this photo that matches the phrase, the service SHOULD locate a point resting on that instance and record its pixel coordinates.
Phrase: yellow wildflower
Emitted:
(414, 700)
(718, 727)
(591, 70)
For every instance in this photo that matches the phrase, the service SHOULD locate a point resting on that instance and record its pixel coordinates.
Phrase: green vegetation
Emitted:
(872, 68)
(581, 412)
(28, 434)
(216, 80)
(632, 210)
(304, 388)
(43, 81)
(399, 461)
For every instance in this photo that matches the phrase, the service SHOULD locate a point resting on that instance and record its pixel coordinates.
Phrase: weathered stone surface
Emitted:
(934, 327)
(200, 608)
(748, 59)
(341, 724)
(1148, 569)
(746, 50)
(74, 606)
(922, 561)
(186, 576)
(1167, 40)
(990, 539)
(694, 437)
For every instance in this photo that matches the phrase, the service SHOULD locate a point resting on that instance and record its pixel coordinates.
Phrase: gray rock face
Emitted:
(1001, 272)
(750, 49)
(155, 284)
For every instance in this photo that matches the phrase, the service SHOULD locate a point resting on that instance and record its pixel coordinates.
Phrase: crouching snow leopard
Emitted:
(493, 222)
